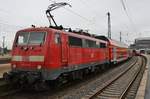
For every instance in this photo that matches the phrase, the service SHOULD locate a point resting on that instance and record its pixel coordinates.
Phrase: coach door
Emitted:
(114, 54)
(64, 49)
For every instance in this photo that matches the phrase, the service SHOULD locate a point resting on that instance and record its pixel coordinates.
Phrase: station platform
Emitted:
(144, 88)
(147, 91)
(4, 68)
(5, 59)
(5, 56)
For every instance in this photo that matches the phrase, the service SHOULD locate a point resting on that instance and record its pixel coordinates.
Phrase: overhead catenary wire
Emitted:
(124, 7)
(91, 22)
(17, 26)
(4, 11)
(86, 5)
(129, 17)
(92, 10)
(75, 13)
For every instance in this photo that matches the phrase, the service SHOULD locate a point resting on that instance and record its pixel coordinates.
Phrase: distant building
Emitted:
(141, 44)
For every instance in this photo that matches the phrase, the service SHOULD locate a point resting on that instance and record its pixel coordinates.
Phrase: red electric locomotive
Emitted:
(46, 54)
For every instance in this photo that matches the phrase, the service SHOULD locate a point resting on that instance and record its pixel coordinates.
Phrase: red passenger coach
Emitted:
(118, 51)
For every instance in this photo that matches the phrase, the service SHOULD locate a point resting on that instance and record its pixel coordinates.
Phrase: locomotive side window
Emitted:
(74, 41)
(57, 38)
(97, 44)
(90, 44)
(102, 45)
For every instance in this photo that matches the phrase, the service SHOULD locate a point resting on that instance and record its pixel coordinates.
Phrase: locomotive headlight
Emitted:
(13, 66)
(39, 67)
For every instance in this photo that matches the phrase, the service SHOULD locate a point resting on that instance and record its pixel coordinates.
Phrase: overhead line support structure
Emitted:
(109, 25)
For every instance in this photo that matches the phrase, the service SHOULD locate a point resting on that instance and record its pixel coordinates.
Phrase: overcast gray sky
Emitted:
(85, 14)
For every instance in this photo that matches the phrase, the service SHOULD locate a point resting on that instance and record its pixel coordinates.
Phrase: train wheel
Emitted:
(41, 86)
(77, 75)
(86, 72)
(103, 67)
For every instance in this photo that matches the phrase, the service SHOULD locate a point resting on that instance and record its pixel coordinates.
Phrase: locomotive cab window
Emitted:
(22, 39)
(57, 38)
(36, 38)
(25, 38)
(74, 41)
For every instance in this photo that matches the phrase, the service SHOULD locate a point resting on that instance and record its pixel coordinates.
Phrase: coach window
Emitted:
(57, 38)
(74, 41)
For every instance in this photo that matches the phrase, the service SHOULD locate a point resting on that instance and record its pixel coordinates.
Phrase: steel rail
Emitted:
(88, 90)
(6, 89)
(143, 64)
(131, 82)
(111, 81)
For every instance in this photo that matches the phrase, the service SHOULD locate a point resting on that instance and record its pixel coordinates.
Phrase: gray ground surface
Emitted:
(147, 93)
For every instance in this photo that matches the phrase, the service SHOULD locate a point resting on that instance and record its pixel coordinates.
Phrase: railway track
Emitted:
(113, 85)
(6, 89)
(92, 89)
(119, 87)
(5, 60)
(131, 92)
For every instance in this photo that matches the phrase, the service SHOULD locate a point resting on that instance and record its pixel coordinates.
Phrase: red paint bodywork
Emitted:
(122, 51)
(58, 55)
(61, 57)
